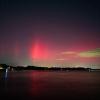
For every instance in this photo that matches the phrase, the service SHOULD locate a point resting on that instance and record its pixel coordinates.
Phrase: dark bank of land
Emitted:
(4, 67)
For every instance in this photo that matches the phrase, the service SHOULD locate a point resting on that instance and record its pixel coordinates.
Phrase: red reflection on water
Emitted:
(36, 84)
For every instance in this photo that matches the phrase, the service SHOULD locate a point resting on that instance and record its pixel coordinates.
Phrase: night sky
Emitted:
(50, 33)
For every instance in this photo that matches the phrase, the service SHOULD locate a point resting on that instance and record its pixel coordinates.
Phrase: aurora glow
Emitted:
(50, 33)
(92, 53)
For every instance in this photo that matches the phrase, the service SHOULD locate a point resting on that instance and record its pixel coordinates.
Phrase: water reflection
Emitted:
(6, 73)
(48, 85)
(59, 85)
(36, 85)
(5, 80)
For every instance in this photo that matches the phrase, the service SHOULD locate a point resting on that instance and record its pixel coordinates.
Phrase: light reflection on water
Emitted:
(48, 85)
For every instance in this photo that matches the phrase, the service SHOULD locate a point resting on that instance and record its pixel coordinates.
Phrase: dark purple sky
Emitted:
(47, 33)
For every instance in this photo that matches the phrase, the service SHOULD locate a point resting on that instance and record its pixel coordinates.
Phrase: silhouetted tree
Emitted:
(4, 66)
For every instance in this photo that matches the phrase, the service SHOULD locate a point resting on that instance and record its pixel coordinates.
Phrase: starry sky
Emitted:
(50, 33)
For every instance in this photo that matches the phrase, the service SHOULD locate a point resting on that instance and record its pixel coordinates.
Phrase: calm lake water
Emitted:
(50, 85)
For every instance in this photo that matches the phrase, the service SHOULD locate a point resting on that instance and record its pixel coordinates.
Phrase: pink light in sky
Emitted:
(47, 52)
(39, 51)
(16, 49)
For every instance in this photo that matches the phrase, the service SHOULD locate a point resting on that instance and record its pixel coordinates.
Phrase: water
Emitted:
(50, 85)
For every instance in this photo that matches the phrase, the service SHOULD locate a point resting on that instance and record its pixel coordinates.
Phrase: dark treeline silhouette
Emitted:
(36, 68)
(70, 69)
(3, 67)
(18, 68)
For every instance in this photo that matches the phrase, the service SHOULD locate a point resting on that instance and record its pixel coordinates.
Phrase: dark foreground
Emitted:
(47, 85)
